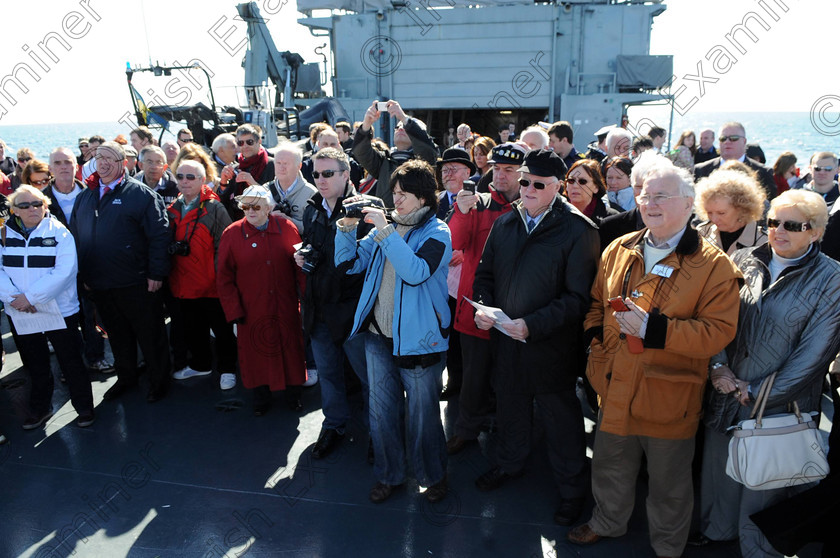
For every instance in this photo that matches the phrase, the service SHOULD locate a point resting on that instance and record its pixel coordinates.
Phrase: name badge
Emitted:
(662, 270)
(117, 201)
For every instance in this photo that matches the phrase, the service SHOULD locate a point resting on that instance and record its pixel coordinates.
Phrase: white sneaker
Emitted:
(311, 378)
(227, 381)
(188, 372)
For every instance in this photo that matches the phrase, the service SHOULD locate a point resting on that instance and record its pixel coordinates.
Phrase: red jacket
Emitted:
(469, 233)
(194, 275)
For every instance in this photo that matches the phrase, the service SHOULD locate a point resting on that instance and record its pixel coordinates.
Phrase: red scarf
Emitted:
(254, 165)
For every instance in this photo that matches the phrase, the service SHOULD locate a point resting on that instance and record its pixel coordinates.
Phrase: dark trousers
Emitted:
(177, 329)
(94, 344)
(133, 316)
(200, 316)
(454, 366)
(68, 350)
(474, 399)
(564, 436)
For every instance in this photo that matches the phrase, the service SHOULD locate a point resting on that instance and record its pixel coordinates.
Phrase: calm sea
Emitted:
(775, 132)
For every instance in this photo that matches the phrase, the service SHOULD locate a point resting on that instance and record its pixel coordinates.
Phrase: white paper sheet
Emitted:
(497, 314)
(47, 318)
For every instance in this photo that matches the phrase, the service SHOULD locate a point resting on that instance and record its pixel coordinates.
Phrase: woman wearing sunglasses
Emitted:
(731, 203)
(197, 219)
(585, 188)
(258, 283)
(24, 155)
(404, 314)
(39, 267)
(789, 323)
(36, 173)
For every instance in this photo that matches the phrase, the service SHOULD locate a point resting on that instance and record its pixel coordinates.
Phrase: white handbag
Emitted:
(776, 451)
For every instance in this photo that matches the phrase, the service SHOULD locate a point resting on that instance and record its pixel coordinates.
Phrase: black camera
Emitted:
(311, 257)
(179, 248)
(354, 210)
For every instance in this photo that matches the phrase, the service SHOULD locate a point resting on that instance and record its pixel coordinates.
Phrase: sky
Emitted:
(785, 70)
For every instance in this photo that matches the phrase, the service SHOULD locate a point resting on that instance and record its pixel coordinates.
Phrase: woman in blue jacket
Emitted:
(404, 314)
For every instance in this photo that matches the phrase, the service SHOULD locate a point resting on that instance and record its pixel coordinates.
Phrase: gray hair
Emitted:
(665, 169)
(65, 150)
(617, 134)
(289, 147)
(151, 149)
(643, 164)
(192, 163)
(810, 204)
(536, 130)
(221, 140)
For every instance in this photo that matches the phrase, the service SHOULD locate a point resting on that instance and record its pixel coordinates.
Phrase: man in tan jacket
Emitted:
(675, 304)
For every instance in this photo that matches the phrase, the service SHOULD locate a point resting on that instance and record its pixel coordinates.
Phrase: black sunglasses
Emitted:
(180, 176)
(27, 205)
(537, 185)
(790, 226)
(240, 143)
(326, 174)
(573, 180)
(732, 138)
(25, 160)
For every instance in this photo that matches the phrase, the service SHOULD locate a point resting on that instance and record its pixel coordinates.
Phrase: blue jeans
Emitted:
(329, 357)
(416, 394)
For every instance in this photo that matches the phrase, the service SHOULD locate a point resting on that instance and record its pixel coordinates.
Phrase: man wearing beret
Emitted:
(538, 266)
(122, 236)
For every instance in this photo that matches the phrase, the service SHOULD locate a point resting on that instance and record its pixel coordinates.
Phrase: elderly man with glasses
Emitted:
(733, 147)
(537, 266)
(122, 236)
(663, 303)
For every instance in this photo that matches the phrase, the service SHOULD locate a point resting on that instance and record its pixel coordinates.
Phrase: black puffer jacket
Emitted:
(545, 278)
(122, 239)
(791, 327)
(331, 294)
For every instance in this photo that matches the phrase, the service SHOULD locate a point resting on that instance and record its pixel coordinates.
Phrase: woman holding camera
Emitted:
(197, 219)
(259, 285)
(789, 323)
(404, 308)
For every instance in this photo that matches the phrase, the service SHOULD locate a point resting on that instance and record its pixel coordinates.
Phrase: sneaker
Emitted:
(50, 347)
(36, 422)
(188, 372)
(85, 420)
(102, 365)
(311, 377)
(3, 439)
(227, 381)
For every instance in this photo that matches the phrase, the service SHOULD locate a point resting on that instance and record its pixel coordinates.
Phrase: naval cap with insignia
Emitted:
(508, 154)
(545, 163)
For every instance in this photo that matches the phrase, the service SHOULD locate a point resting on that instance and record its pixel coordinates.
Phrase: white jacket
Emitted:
(42, 267)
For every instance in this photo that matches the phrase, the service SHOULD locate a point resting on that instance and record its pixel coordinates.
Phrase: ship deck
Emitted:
(197, 475)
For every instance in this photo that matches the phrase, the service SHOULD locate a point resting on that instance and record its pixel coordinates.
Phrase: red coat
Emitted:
(258, 281)
(469, 233)
(194, 275)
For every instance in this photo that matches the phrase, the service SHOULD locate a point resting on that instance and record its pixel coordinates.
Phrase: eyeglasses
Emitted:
(190, 176)
(581, 181)
(524, 182)
(43, 182)
(790, 226)
(450, 169)
(27, 205)
(240, 143)
(823, 169)
(247, 206)
(732, 138)
(81, 145)
(658, 199)
(326, 174)
(25, 160)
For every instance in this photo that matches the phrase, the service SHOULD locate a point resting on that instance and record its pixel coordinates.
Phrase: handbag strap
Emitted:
(761, 398)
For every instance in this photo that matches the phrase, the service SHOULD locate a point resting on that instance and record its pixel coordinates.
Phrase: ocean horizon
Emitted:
(775, 132)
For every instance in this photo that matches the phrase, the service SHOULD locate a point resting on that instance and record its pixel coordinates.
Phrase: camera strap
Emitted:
(189, 234)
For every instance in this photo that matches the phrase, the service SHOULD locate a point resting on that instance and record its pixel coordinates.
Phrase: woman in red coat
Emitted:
(259, 286)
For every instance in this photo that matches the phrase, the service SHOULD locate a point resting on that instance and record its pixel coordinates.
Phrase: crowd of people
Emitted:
(668, 285)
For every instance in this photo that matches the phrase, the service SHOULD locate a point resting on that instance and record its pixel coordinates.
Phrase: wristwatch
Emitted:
(716, 365)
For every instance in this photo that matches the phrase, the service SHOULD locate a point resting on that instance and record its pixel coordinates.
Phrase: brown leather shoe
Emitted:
(583, 535)
(455, 444)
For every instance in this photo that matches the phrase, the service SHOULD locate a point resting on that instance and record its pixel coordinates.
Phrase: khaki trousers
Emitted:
(615, 467)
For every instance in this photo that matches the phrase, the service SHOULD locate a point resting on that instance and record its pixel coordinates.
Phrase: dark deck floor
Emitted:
(198, 475)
